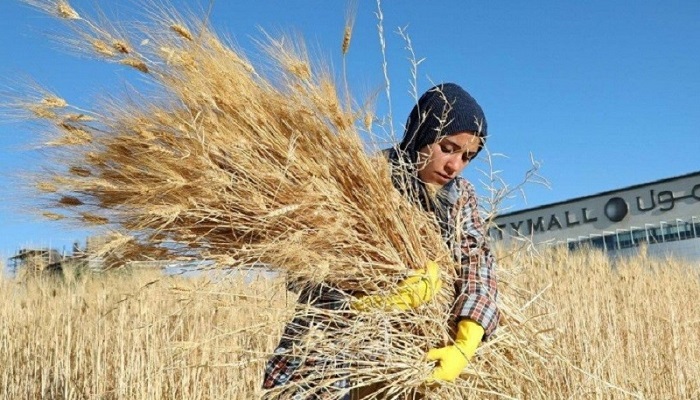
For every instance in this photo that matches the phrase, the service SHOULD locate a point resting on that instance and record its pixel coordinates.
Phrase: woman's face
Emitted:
(444, 160)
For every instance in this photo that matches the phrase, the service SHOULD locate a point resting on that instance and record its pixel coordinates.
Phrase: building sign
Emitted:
(615, 210)
(666, 200)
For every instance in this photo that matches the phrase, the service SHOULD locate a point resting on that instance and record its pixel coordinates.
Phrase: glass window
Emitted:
(598, 243)
(610, 242)
(685, 230)
(624, 239)
(670, 233)
(663, 229)
(639, 236)
(653, 234)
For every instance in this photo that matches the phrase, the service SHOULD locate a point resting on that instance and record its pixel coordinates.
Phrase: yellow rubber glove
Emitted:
(419, 288)
(453, 359)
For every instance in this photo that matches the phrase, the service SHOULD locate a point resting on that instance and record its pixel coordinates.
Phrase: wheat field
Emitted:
(630, 329)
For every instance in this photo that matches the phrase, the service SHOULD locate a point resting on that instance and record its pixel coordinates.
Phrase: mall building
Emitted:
(664, 215)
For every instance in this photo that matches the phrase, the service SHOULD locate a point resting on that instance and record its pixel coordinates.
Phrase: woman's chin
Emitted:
(434, 179)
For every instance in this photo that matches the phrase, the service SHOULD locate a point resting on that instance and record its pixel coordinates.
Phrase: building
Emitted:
(664, 215)
(35, 261)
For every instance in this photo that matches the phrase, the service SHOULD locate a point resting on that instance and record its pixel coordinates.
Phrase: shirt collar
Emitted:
(450, 191)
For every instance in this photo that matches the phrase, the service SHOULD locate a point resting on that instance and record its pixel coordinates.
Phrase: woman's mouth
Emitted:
(444, 176)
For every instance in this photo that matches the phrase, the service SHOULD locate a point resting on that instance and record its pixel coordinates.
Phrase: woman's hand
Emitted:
(453, 359)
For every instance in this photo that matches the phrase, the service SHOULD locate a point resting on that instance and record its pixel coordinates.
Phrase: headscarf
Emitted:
(443, 110)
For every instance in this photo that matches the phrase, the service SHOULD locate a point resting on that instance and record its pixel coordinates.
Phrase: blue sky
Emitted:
(605, 94)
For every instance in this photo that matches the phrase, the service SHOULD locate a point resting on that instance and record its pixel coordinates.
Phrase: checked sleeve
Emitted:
(476, 283)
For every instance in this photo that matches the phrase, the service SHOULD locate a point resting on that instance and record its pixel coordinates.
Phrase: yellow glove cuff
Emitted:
(419, 288)
(469, 336)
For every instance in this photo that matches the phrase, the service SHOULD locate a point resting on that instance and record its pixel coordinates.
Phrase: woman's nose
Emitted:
(454, 164)
(450, 165)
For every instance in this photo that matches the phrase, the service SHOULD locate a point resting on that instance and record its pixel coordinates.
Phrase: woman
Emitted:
(444, 132)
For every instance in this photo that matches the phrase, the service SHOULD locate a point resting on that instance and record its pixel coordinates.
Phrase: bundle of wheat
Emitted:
(238, 166)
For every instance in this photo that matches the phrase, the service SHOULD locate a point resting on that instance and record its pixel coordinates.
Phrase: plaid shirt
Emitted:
(284, 371)
(463, 231)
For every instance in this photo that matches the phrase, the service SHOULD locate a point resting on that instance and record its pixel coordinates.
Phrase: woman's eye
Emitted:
(445, 148)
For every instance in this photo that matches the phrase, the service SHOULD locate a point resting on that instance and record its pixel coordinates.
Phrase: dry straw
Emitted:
(243, 165)
(144, 336)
